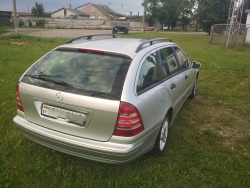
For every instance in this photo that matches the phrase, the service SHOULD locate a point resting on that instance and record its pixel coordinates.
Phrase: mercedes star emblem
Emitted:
(59, 96)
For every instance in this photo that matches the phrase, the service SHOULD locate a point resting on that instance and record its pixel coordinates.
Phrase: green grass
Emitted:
(208, 144)
(4, 29)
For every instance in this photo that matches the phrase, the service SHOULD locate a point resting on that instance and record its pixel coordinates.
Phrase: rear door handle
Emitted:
(173, 86)
(186, 77)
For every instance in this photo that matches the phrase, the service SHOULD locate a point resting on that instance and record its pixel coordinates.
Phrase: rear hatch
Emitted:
(75, 91)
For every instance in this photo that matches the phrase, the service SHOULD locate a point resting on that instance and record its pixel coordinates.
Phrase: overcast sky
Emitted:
(121, 6)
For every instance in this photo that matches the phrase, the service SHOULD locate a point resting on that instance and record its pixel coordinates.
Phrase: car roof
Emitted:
(126, 46)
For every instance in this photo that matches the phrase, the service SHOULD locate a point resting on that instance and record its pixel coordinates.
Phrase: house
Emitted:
(22, 17)
(23, 14)
(100, 12)
(69, 13)
(248, 26)
(5, 17)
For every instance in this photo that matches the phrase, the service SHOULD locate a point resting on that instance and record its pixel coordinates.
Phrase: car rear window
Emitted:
(92, 74)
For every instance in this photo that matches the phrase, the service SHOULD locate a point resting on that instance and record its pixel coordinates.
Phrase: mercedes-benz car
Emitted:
(105, 98)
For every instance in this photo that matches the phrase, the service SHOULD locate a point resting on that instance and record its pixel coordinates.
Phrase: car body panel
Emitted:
(83, 125)
(105, 110)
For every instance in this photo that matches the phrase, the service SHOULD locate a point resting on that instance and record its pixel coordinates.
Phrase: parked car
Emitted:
(108, 99)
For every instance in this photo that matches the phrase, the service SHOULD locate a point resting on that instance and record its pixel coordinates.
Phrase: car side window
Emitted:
(169, 62)
(182, 59)
(165, 70)
(148, 73)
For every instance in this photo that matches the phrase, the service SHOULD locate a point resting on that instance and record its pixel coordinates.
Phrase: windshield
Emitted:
(99, 75)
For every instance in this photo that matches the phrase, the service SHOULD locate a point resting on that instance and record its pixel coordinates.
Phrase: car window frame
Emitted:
(139, 69)
(178, 60)
(171, 75)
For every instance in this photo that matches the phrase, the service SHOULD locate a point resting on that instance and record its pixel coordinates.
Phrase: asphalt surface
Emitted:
(59, 33)
(72, 33)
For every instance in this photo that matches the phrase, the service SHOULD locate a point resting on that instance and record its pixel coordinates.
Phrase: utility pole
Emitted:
(143, 20)
(69, 5)
(234, 22)
(15, 17)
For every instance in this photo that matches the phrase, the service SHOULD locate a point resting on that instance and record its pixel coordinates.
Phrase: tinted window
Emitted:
(165, 70)
(84, 73)
(148, 73)
(182, 59)
(169, 57)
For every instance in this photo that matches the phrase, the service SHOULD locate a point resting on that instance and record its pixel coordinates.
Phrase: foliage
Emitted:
(186, 12)
(211, 12)
(137, 18)
(4, 29)
(208, 144)
(38, 10)
(168, 12)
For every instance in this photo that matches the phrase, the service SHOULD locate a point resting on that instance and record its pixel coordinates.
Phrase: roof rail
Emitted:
(150, 42)
(88, 37)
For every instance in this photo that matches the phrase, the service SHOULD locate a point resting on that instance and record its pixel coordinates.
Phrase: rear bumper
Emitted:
(111, 151)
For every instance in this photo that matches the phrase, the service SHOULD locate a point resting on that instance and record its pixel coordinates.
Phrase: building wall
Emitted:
(58, 14)
(248, 28)
(5, 18)
(65, 14)
(93, 12)
(87, 23)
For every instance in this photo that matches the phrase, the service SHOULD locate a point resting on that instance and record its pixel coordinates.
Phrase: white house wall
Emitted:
(248, 28)
(93, 12)
(58, 14)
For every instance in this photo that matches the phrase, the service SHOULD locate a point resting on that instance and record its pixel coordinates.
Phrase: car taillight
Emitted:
(18, 99)
(129, 121)
(90, 51)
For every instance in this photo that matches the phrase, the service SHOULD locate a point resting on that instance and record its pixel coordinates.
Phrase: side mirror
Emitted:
(196, 65)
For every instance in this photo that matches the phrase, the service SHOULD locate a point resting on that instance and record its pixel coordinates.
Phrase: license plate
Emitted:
(45, 110)
(68, 116)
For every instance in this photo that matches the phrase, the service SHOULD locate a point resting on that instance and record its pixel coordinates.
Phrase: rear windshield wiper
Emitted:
(42, 75)
(47, 78)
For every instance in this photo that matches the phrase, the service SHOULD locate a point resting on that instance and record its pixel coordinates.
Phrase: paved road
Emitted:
(72, 33)
(59, 33)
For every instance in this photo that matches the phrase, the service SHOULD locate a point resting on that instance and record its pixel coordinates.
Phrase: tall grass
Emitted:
(208, 144)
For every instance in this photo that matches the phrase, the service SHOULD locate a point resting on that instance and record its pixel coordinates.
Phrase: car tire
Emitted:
(194, 90)
(125, 31)
(161, 140)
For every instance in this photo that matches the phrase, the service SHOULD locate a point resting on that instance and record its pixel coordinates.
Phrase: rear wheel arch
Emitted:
(159, 145)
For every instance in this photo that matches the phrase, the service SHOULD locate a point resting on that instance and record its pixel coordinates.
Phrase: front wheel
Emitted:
(160, 143)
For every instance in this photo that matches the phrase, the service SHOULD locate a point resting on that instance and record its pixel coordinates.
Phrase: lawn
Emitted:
(208, 144)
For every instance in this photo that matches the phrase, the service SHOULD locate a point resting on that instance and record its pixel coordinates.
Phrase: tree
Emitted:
(151, 7)
(168, 12)
(186, 13)
(210, 12)
(38, 10)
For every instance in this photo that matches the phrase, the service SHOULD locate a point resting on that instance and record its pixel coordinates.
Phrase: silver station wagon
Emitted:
(104, 98)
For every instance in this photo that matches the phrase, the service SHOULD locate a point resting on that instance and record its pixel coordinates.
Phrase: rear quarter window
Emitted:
(148, 74)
